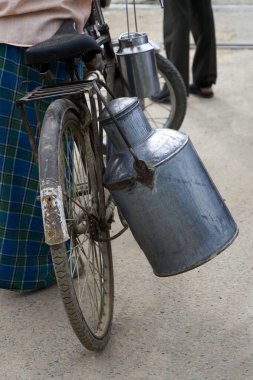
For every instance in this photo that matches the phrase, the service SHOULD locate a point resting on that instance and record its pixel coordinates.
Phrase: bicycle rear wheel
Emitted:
(83, 264)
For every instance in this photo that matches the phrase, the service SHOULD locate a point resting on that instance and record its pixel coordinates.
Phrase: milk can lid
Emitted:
(132, 39)
(119, 108)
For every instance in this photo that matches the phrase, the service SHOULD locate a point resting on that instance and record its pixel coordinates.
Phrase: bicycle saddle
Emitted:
(66, 43)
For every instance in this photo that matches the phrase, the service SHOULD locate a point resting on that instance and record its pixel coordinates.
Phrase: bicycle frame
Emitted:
(97, 28)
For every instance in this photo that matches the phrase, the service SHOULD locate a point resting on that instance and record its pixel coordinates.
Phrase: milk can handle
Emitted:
(145, 174)
(135, 18)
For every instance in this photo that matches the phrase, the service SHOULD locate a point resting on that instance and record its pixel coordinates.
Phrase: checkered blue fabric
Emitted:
(25, 260)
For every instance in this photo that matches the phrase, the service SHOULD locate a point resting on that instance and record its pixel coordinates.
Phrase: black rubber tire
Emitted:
(177, 91)
(74, 264)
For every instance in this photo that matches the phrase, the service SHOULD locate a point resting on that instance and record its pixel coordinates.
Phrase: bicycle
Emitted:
(77, 209)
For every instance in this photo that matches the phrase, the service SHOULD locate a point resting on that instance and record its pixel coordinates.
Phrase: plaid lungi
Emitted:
(25, 260)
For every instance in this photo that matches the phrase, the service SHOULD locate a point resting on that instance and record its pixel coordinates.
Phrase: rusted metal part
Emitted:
(104, 240)
(94, 227)
(145, 174)
(55, 226)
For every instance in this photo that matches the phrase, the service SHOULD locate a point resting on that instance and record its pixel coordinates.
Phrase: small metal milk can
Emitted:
(137, 64)
(175, 212)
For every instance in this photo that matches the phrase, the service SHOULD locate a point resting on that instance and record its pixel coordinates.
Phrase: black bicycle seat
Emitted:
(65, 44)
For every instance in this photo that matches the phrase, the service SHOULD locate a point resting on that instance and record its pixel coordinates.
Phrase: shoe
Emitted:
(162, 97)
(195, 90)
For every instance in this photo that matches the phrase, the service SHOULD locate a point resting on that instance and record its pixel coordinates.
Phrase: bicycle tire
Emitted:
(170, 79)
(83, 266)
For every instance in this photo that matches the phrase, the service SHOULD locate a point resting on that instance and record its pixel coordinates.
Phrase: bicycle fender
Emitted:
(51, 197)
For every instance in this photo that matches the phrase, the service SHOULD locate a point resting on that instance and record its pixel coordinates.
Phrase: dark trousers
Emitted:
(180, 18)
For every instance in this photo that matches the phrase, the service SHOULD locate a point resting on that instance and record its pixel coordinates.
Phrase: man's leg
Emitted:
(204, 66)
(176, 29)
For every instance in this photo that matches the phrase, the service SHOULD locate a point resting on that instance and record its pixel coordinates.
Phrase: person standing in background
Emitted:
(196, 16)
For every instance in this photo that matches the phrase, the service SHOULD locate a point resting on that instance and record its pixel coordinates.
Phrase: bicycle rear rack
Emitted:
(59, 90)
(43, 93)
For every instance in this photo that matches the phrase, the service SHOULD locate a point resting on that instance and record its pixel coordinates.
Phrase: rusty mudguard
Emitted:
(51, 196)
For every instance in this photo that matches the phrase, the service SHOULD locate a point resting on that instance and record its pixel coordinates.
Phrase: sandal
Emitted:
(199, 92)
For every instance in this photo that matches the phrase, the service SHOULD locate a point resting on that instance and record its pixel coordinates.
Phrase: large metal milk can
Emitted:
(177, 217)
(137, 64)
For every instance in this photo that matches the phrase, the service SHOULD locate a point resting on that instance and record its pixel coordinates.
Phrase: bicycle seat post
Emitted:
(46, 73)
(71, 70)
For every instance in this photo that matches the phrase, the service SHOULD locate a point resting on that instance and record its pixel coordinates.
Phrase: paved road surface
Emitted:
(194, 326)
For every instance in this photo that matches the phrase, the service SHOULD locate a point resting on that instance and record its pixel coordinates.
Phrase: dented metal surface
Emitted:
(55, 226)
(180, 221)
(50, 190)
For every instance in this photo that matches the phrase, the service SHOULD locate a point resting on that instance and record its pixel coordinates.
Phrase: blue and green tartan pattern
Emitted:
(25, 260)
